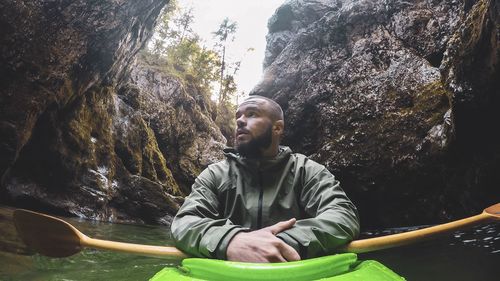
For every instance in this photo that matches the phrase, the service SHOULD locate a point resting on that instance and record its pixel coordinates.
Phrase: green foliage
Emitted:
(177, 49)
(163, 31)
(205, 66)
(226, 31)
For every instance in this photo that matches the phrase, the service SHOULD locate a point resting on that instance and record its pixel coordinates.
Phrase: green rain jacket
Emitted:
(241, 194)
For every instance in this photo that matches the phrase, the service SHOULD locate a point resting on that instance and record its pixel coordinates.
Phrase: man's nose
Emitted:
(241, 121)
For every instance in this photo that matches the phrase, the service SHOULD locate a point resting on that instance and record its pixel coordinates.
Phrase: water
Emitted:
(466, 255)
(89, 264)
(471, 255)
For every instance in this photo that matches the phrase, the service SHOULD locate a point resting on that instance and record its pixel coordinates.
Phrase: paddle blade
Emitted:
(47, 235)
(493, 211)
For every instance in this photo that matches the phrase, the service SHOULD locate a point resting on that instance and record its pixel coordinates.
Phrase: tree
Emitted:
(163, 29)
(225, 34)
(177, 49)
(205, 67)
(183, 22)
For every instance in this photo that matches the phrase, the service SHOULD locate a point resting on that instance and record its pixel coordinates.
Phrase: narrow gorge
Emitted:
(398, 99)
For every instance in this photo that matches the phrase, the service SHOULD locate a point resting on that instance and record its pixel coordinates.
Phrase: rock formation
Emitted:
(397, 98)
(181, 117)
(77, 134)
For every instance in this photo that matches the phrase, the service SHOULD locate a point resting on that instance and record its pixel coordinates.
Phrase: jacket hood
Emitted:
(256, 163)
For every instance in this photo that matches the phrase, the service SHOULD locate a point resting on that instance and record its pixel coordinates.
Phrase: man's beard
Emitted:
(253, 148)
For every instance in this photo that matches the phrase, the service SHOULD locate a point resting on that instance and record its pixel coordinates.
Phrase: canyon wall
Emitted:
(398, 99)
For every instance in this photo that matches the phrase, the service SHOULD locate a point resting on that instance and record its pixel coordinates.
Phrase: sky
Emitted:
(252, 17)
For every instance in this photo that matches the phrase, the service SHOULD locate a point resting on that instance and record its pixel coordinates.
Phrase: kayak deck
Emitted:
(340, 267)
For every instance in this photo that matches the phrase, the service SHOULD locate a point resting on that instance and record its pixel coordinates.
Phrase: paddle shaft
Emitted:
(144, 250)
(400, 239)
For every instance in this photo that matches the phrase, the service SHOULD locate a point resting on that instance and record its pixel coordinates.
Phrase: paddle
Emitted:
(491, 213)
(54, 237)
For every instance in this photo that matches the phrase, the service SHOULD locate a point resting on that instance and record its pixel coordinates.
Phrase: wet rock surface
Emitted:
(74, 137)
(396, 98)
(181, 117)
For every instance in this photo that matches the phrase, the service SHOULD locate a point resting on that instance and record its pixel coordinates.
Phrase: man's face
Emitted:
(253, 128)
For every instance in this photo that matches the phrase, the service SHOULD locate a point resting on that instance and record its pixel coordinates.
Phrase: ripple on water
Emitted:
(485, 236)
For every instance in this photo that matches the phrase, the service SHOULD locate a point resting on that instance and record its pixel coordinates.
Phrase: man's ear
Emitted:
(279, 127)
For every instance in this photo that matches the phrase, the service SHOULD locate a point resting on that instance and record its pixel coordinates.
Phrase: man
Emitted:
(264, 203)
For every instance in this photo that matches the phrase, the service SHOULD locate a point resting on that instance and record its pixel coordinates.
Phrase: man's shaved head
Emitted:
(274, 109)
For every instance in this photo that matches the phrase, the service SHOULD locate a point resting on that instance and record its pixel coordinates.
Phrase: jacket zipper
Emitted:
(261, 195)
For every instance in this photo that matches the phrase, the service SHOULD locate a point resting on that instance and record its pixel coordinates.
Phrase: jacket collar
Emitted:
(259, 163)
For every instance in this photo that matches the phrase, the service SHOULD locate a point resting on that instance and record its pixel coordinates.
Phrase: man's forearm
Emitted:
(321, 235)
(201, 237)
(262, 245)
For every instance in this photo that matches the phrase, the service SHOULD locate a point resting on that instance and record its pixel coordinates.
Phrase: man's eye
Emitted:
(251, 114)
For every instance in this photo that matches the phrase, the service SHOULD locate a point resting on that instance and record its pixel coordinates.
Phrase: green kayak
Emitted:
(341, 267)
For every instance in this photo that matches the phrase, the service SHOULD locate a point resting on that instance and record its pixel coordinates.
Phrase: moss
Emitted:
(154, 161)
(464, 42)
(89, 132)
(474, 25)
(95, 142)
(396, 129)
(431, 101)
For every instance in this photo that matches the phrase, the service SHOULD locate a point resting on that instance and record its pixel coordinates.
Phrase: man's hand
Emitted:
(262, 245)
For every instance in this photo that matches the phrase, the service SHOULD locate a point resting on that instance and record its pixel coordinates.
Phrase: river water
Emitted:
(471, 255)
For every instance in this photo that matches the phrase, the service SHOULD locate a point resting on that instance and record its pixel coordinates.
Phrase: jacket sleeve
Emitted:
(332, 219)
(199, 229)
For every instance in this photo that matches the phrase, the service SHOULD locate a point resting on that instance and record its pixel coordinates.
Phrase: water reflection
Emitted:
(465, 255)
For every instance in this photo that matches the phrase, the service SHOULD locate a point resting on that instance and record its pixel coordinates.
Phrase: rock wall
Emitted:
(399, 99)
(182, 118)
(77, 134)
